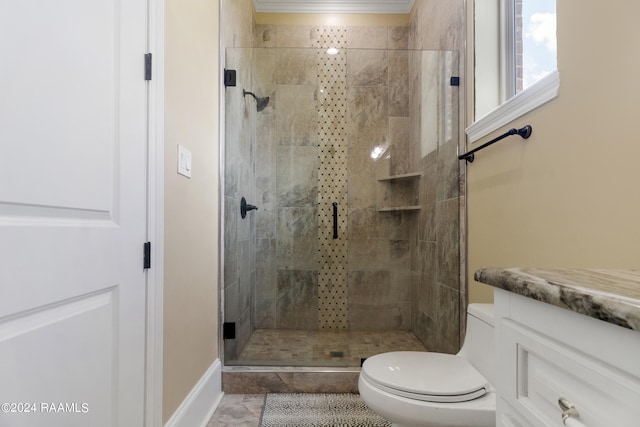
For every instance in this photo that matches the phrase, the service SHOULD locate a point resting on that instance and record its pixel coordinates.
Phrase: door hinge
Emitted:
(229, 77)
(229, 331)
(147, 66)
(146, 263)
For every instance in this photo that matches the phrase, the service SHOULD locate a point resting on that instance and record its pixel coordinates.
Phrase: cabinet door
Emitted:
(543, 370)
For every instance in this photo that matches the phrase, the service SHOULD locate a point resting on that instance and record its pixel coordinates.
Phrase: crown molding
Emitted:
(333, 6)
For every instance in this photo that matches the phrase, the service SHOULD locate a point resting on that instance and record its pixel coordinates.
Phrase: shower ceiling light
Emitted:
(332, 51)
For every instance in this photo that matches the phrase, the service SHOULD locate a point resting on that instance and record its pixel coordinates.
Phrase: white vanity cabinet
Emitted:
(546, 353)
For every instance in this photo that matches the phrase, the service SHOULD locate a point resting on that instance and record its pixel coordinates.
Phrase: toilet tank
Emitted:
(479, 342)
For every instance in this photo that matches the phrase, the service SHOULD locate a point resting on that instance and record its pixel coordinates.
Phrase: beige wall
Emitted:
(568, 197)
(191, 205)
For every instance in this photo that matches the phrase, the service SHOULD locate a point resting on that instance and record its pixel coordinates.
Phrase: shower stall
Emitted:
(349, 157)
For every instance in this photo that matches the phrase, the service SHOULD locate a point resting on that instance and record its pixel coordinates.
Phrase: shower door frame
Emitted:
(224, 218)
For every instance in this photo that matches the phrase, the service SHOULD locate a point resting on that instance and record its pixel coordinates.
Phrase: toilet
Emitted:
(427, 389)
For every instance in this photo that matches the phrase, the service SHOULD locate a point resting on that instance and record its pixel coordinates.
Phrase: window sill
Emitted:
(537, 94)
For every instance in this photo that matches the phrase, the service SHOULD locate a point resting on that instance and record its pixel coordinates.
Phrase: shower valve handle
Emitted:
(245, 207)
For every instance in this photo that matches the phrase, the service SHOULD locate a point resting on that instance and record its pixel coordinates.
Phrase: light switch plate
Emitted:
(184, 161)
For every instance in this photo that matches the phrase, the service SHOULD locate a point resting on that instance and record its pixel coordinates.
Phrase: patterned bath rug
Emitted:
(318, 410)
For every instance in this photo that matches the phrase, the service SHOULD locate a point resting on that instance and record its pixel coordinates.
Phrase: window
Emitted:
(515, 61)
(535, 41)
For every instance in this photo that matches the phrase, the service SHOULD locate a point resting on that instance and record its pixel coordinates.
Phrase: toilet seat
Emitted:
(431, 377)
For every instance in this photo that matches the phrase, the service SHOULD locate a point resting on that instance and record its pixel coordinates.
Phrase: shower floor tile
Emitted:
(321, 348)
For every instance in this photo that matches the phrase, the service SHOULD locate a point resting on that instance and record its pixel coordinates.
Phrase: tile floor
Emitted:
(238, 410)
(269, 347)
(303, 348)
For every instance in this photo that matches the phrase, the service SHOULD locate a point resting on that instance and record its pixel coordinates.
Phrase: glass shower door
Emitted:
(344, 163)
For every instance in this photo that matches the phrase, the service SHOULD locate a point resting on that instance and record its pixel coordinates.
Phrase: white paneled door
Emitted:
(73, 183)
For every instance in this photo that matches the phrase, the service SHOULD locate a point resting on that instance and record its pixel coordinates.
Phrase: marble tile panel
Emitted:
(238, 26)
(231, 350)
(448, 243)
(297, 35)
(368, 254)
(233, 129)
(230, 240)
(399, 135)
(400, 255)
(265, 291)
(401, 286)
(402, 225)
(398, 193)
(371, 288)
(398, 37)
(367, 222)
(264, 312)
(367, 67)
(448, 170)
(230, 177)
(362, 184)
(256, 382)
(297, 176)
(427, 191)
(388, 317)
(320, 382)
(297, 67)
(423, 328)
(264, 71)
(426, 285)
(306, 348)
(238, 410)
(265, 35)
(265, 182)
(297, 304)
(444, 33)
(448, 319)
(297, 238)
(296, 115)
(367, 117)
(231, 302)
(372, 291)
(243, 328)
(381, 156)
(290, 382)
(246, 268)
(266, 221)
(367, 37)
(399, 83)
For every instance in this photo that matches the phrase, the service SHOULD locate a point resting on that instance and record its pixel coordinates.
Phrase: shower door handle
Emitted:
(335, 220)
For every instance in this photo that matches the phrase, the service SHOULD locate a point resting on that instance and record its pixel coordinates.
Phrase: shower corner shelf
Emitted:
(399, 208)
(401, 177)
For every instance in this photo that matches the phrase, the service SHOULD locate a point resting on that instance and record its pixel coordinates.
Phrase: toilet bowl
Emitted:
(427, 389)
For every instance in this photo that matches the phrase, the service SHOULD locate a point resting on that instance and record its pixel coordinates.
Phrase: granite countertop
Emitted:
(609, 295)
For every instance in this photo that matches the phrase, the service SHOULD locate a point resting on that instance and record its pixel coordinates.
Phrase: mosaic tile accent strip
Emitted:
(332, 177)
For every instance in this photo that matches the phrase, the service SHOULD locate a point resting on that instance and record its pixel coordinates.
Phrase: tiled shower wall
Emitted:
(401, 267)
(306, 128)
(439, 291)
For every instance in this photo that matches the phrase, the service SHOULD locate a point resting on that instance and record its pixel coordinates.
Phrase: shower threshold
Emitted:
(309, 361)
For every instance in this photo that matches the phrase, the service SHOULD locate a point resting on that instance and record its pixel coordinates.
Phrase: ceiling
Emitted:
(333, 6)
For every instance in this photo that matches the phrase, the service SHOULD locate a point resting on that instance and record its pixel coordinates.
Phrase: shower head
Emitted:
(261, 103)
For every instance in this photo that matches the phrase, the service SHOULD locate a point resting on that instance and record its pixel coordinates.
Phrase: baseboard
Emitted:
(198, 407)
